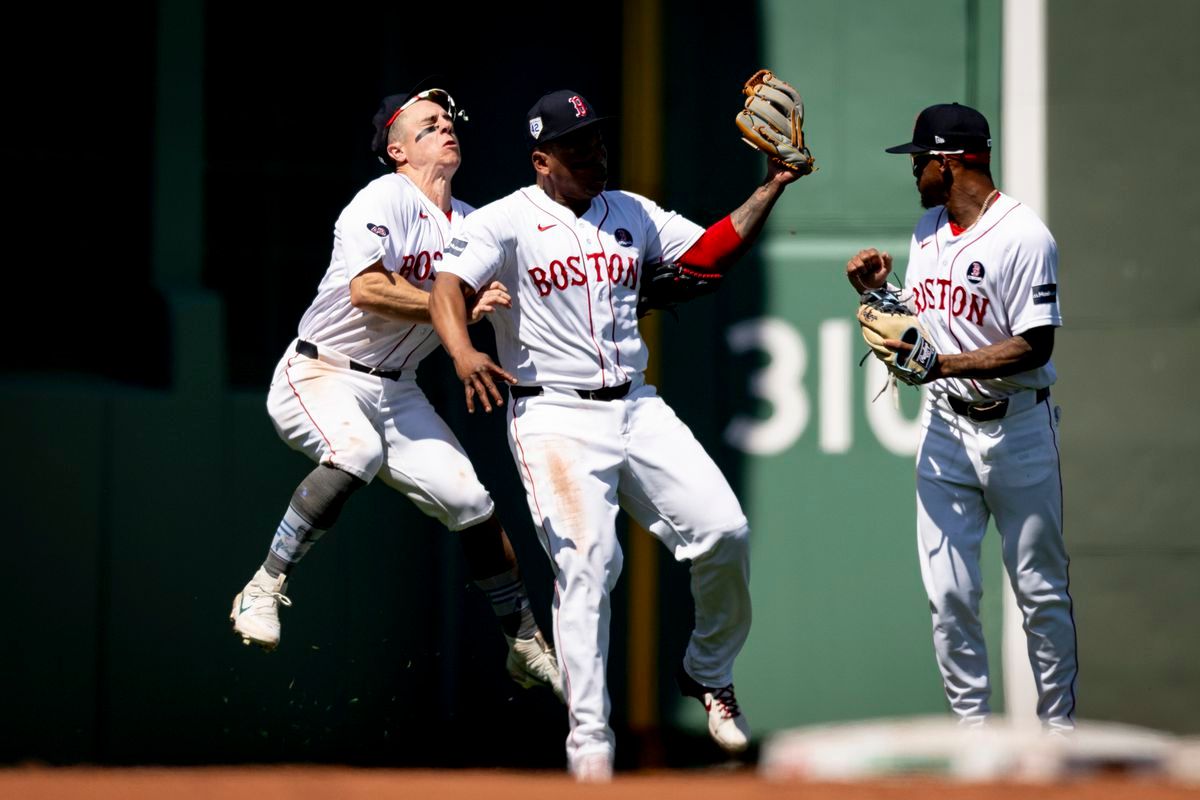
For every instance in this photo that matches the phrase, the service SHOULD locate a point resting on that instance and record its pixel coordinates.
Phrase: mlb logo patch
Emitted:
(535, 127)
(623, 237)
(378, 230)
(975, 272)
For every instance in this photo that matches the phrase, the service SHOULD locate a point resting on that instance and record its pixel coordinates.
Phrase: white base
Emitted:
(997, 751)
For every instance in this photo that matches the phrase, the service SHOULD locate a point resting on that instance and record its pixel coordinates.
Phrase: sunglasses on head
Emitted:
(429, 94)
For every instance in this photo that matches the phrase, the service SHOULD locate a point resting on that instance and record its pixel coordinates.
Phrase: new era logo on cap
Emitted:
(948, 127)
(557, 114)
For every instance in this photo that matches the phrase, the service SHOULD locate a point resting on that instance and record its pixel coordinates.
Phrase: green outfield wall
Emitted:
(144, 478)
(825, 471)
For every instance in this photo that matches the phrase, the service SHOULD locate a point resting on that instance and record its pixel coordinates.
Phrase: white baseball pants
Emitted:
(578, 460)
(368, 426)
(1008, 468)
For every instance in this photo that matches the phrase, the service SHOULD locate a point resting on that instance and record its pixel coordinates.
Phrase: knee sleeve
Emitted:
(321, 495)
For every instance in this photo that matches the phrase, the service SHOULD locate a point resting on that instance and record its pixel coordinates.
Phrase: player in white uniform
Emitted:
(345, 392)
(982, 277)
(586, 431)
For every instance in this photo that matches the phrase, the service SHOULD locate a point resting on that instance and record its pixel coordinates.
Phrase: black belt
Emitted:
(987, 410)
(607, 393)
(309, 349)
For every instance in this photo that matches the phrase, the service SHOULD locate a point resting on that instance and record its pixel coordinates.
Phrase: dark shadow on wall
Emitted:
(289, 101)
(709, 173)
(390, 657)
(79, 287)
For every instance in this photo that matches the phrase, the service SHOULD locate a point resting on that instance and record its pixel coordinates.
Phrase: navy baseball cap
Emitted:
(948, 128)
(557, 114)
(391, 106)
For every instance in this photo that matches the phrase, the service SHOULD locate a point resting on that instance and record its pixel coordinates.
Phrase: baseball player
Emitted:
(345, 391)
(586, 431)
(982, 279)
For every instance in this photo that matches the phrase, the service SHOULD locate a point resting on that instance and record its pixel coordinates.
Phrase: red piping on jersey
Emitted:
(1062, 526)
(296, 392)
(397, 344)
(558, 640)
(612, 309)
(591, 323)
(950, 277)
(713, 252)
(388, 355)
(416, 347)
(512, 406)
(550, 551)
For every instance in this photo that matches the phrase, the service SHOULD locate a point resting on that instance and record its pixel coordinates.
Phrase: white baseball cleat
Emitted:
(255, 613)
(727, 725)
(532, 662)
(593, 768)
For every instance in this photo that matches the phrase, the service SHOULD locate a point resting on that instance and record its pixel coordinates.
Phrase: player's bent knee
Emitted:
(466, 510)
(723, 546)
(322, 494)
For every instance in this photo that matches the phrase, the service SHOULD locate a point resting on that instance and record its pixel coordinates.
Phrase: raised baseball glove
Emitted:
(669, 283)
(772, 120)
(883, 315)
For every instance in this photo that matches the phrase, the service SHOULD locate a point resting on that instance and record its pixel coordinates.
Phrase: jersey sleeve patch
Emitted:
(379, 230)
(1045, 293)
(456, 246)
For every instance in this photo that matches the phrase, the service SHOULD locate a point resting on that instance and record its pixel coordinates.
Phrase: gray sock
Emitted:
(510, 602)
(315, 507)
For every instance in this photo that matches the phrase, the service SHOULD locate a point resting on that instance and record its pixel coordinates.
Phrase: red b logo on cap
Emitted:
(580, 108)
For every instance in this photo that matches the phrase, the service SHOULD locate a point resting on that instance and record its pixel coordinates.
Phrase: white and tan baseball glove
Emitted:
(772, 120)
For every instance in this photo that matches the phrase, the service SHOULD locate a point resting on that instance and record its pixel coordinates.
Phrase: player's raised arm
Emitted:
(772, 121)
(477, 371)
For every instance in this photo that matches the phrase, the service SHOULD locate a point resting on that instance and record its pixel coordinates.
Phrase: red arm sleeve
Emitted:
(715, 250)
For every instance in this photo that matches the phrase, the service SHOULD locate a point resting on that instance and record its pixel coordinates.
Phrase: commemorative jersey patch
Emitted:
(456, 247)
(1045, 293)
(379, 230)
(623, 237)
(975, 272)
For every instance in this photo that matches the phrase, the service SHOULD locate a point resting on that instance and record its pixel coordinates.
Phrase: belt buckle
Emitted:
(984, 412)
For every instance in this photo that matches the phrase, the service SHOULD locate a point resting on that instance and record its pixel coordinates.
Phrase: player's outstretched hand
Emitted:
(780, 174)
(869, 269)
(479, 374)
(494, 295)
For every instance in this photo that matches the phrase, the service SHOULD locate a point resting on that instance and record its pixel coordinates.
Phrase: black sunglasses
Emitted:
(920, 160)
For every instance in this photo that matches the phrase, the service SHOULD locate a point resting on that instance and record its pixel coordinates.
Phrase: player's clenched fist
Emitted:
(869, 269)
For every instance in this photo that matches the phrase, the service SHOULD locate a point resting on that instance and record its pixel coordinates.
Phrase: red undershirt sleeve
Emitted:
(715, 250)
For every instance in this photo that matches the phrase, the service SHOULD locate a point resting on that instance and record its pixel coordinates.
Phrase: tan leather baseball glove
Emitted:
(772, 120)
(882, 315)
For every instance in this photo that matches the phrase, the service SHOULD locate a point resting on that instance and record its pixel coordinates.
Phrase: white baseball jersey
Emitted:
(979, 287)
(364, 424)
(378, 224)
(573, 325)
(574, 281)
(987, 284)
